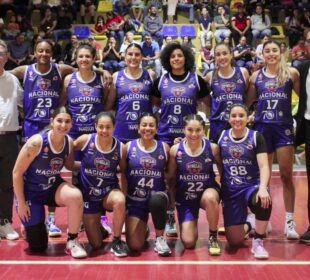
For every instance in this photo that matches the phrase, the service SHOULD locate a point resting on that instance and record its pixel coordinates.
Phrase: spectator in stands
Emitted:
(114, 26)
(53, 5)
(68, 55)
(293, 27)
(260, 62)
(12, 28)
(99, 26)
(1, 27)
(260, 23)
(70, 9)
(305, 20)
(129, 39)
(160, 5)
(48, 24)
(222, 24)
(284, 51)
(19, 51)
(244, 54)
(207, 57)
(111, 56)
(167, 40)
(188, 5)
(205, 25)
(275, 6)
(153, 24)
(130, 24)
(63, 29)
(299, 53)
(99, 55)
(87, 5)
(151, 51)
(187, 41)
(241, 25)
(25, 26)
(137, 7)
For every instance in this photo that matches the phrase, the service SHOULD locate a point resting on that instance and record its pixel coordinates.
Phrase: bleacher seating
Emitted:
(188, 30)
(82, 31)
(170, 30)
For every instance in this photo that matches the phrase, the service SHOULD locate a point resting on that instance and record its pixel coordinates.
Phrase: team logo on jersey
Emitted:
(134, 152)
(135, 88)
(56, 163)
(86, 91)
(191, 85)
(178, 91)
(249, 146)
(179, 154)
(236, 152)
(101, 163)
(147, 162)
(194, 167)
(161, 157)
(55, 78)
(228, 87)
(271, 86)
(45, 152)
(31, 78)
(44, 84)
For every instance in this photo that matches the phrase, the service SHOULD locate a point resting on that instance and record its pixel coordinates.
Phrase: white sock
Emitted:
(51, 216)
(289, 216)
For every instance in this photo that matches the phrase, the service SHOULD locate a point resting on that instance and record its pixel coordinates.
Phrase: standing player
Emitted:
(177, 93)
(37, 182)
(101, 155)
(131, 91)
(244, 181)
(146, 191)
(192, 182)
(42, 83)
(272, 88)
(228, 85)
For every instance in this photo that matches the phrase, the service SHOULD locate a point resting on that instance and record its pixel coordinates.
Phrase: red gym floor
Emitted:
(288, 259)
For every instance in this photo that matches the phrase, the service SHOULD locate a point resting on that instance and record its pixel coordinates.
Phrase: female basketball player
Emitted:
(272, 88)
(37, 182)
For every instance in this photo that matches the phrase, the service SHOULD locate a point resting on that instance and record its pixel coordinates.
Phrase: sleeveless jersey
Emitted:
(194, 173)
(225, 92)
(240, 167)
(41, 96)
(85, 100)
(146, 171)
(274, 101)
(133, 99)
(45, 169)
(178, 99)
(99, 169)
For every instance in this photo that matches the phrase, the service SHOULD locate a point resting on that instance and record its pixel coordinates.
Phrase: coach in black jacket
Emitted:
(303, 124)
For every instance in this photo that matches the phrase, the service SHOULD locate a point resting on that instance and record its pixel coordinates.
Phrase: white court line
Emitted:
(81, 262)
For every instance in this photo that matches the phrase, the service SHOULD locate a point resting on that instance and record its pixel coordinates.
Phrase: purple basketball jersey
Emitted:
(133, 99)
(41, 96)
(85, 100)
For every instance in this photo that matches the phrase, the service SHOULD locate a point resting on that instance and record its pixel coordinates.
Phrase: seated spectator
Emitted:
(160, 5)
(260, 62)
(114, 26)
(48, 24)
(188, 5)
(222, 23)
(68, 54)
(153, 24)
(207, 58)
(129, 39)
(284, 51)
(150, 50)
(130, 24)
(87, 5)
(63, 27)
(111, 56)
(12, 28)
(260, 23)
(205, 24)
(137, 7)
(244, 54)
(98, 29)
(70, 9)
(293, 27)
(167, 40)
(187, 41)
(241, 25)
(98, 47)
(25, 26)
(124, 7)
(19, 51)
(53, 5)
(299, 53)
(305, 20)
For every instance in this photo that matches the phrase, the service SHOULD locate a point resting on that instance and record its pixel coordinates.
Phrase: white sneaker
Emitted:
(290, 230)
(258, 249)
(75, 249)
(161, 247)
(7, 232)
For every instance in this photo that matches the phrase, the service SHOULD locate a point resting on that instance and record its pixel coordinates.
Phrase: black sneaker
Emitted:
(213, 246)
(119, 248)
(305, 238)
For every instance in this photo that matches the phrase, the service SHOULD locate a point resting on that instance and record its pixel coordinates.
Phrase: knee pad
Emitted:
(262, 214)
(37, 237)
(158, 206)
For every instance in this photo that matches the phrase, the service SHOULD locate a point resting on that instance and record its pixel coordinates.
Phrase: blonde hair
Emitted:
(283, 71)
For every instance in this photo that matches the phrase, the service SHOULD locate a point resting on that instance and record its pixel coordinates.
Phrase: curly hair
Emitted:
(166, 54)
